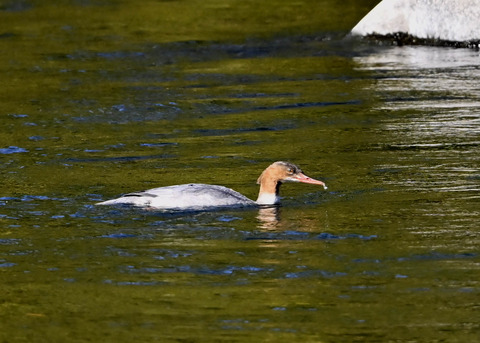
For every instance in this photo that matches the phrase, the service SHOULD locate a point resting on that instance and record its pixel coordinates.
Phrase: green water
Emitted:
(99, 98)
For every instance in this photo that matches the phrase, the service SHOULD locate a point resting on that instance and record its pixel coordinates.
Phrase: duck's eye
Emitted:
(290, 170)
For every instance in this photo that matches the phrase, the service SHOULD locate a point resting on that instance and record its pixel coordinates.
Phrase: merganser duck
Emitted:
(195, 196)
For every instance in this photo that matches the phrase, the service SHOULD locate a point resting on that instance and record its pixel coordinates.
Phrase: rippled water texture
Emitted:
(100, 98)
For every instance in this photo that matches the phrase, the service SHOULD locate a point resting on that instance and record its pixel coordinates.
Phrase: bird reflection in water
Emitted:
(269, 217)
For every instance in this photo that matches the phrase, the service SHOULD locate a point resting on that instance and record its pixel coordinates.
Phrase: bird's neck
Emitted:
(269, 192)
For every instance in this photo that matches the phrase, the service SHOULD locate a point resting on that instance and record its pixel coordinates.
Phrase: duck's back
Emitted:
(184, 197)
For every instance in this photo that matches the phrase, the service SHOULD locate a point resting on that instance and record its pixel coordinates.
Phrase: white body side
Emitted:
(453, 20)
(189, 196)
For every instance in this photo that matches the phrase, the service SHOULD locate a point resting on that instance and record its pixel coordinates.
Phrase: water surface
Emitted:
(97, 105)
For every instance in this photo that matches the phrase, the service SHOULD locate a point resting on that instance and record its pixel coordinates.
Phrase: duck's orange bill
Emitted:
(305, 179)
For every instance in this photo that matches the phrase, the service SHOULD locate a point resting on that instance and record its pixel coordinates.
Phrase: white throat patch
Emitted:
(268, 199)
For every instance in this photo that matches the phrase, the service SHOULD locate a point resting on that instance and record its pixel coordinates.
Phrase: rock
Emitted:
(445, 20)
